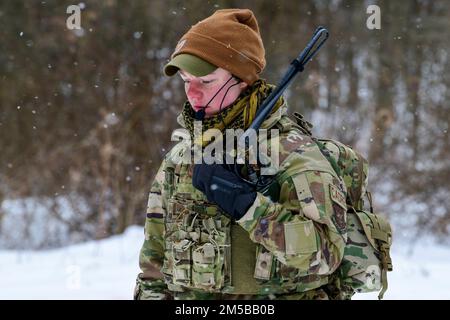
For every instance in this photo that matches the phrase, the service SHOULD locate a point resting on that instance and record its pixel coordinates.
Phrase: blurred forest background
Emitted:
(86, 115)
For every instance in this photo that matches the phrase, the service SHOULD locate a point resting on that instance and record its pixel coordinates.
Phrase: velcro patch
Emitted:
(300, 237)
(338, 196)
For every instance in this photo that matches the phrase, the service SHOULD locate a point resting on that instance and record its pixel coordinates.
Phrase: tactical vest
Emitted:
(205, 250)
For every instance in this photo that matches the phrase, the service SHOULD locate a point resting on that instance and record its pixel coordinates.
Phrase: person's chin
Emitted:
(196, 108)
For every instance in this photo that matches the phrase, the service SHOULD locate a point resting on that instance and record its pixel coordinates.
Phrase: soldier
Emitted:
(233, 241)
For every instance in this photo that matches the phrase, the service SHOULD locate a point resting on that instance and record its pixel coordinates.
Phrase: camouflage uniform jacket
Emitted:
(296, 233)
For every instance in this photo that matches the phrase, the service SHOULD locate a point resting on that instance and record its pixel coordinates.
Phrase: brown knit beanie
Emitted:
(228, 39)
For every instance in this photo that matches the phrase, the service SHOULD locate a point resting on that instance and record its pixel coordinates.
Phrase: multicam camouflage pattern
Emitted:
(292, 243)
(296, 229)
(352, 167)
(366, 258)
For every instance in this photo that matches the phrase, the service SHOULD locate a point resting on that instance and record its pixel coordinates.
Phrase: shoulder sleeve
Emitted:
(150, 283)
(305, 225)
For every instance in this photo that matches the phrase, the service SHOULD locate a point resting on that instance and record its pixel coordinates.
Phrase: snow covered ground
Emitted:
(106, 269)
